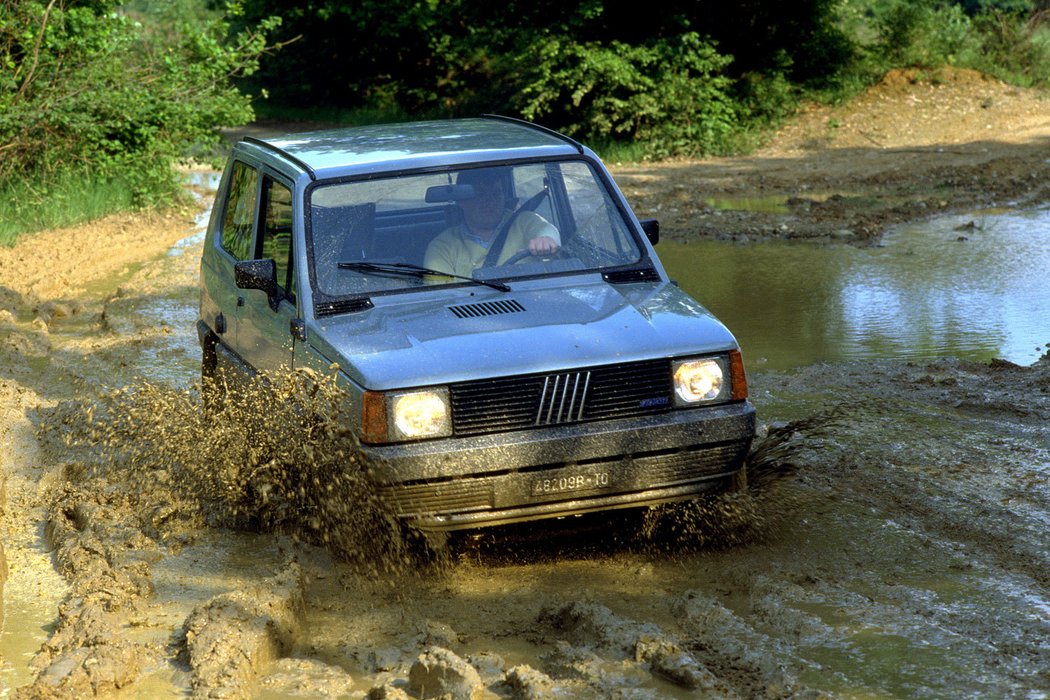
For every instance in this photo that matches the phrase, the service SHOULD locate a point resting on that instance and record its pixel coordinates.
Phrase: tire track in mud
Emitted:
(898, 550)
(880, 561)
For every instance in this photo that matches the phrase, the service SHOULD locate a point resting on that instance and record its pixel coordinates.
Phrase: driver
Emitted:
(463, 248)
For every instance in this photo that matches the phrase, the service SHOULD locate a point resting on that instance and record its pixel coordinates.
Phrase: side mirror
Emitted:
(651, 227)
(258, 274)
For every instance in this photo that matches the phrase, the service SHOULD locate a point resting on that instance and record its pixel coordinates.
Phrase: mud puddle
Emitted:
(966, 286)
(894, 547)
(898, 551)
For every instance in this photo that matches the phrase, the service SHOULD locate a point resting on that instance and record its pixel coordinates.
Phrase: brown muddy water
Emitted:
(971, 286)
(894, 541)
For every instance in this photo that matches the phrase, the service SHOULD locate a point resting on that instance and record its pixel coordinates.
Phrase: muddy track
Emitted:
(892, 542)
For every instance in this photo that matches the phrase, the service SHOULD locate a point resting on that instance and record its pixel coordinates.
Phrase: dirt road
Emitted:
(914, 146)
(893, 542)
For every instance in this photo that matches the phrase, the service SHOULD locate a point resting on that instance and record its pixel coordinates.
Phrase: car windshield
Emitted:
(482, 223)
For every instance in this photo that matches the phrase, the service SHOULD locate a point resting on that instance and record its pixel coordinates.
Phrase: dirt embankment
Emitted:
(895, 544)
(916, 145)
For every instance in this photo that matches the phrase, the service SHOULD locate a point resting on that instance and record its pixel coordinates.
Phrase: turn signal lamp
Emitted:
(739, 376)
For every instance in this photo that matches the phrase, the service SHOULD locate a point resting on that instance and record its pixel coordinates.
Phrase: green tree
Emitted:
(88, 87)
(671, 94)
(592, 67)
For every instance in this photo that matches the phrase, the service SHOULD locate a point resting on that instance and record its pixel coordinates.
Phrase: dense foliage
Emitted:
(1009, 39)
(681, 77)
(674, 75)
(89, 88)
(99, 94)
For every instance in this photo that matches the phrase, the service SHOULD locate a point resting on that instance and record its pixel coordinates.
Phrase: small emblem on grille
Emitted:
(654, 401)
(563, 398)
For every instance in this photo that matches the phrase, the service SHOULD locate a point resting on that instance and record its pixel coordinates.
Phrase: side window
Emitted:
(239, 214)
(277, 232)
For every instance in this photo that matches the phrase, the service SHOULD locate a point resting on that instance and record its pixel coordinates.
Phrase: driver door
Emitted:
(265, 336)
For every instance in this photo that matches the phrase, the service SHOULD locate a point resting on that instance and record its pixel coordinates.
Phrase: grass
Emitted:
(65, 200)
(619, 151)
(266, 110)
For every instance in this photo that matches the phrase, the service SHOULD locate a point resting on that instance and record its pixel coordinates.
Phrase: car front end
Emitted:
(544, 402)
(569, 460)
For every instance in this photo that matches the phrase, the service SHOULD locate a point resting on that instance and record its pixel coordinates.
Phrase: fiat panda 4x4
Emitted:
(510, 345)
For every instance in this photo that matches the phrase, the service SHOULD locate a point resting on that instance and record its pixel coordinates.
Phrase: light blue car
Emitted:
(511, 346)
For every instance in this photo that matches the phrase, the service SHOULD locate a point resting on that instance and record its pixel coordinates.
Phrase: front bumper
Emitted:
(457, 483)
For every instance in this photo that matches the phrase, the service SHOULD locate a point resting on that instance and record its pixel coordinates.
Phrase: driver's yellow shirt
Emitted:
(457, 252)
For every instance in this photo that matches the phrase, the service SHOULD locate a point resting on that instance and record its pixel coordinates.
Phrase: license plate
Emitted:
(583, 481)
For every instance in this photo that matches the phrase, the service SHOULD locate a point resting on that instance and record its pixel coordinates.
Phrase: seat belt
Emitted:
(496, 246)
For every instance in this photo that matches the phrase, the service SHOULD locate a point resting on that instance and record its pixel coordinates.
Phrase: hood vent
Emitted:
(341, 306)
(486, 308)
(645, 274)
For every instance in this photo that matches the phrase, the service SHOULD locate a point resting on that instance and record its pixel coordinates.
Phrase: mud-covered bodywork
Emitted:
(510, 344)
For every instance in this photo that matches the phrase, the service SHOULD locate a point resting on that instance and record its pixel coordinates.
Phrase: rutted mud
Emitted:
(892, 541)
(917, 145)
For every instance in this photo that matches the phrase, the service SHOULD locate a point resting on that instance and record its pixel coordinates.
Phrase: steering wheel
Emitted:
(525, 253)
(496, 248)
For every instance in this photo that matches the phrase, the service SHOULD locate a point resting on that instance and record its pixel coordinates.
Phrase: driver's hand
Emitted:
(543, 245)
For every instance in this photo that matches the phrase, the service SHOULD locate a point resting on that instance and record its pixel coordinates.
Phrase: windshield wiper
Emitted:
(410, 270)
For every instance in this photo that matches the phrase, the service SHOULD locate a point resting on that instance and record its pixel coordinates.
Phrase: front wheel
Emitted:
(213, 384)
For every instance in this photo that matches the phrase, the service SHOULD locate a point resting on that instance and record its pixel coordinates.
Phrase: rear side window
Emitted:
(239, 213)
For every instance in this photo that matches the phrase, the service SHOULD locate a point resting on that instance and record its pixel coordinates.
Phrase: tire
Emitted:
(213, 385)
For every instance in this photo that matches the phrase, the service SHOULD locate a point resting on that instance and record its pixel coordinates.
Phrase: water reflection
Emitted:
(965, 286)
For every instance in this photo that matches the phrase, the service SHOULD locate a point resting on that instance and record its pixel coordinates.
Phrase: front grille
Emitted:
(535, 400)
(458, 496)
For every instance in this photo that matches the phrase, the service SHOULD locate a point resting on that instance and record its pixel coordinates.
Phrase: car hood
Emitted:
(446, 336)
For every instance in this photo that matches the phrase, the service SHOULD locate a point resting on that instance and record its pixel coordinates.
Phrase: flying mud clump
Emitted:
(276, 455)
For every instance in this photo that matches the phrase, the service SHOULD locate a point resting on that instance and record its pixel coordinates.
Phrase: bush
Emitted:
(1009, 39)
(90, 89)
(924, 33)
(1014, 47)
(671, 94)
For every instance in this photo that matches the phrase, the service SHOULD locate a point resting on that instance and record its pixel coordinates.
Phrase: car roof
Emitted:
(426, 144)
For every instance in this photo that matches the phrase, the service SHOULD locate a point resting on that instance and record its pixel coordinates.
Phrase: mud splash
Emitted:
(875, 541)
(149, 472)
(273, 456)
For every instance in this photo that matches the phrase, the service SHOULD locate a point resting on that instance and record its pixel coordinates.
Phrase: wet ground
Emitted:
(892, 543)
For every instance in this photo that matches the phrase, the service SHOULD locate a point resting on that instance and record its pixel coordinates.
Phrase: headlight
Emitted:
(697, 381)
(409, 415)
(423, 414)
